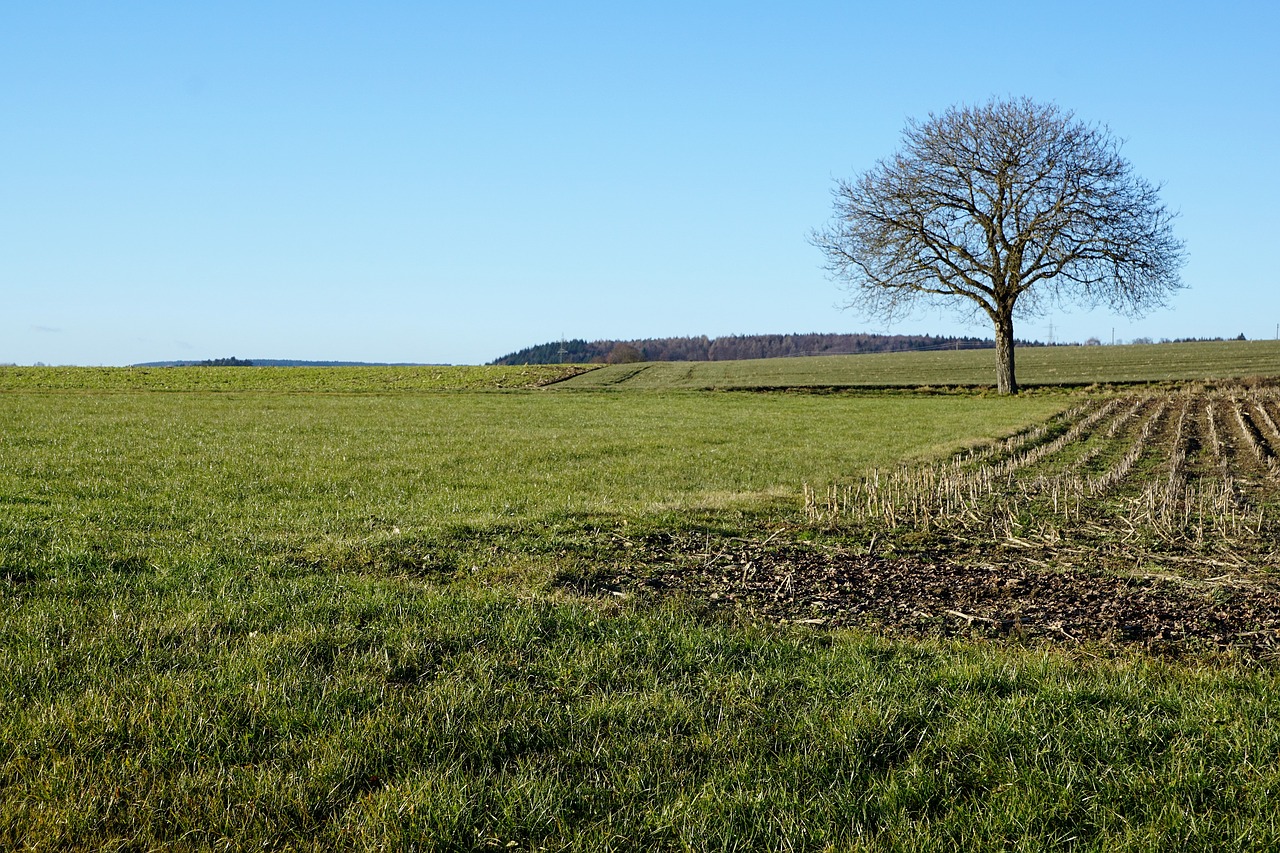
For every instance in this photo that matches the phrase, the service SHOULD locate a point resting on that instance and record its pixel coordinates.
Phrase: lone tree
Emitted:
(1013, 206)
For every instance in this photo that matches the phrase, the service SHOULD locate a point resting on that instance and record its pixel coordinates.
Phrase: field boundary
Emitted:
(1038, 367)
(1147, 518)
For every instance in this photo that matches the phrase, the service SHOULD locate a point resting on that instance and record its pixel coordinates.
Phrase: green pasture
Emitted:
(331, 380)
(277, 618)
(1043, 366)
(160, 479)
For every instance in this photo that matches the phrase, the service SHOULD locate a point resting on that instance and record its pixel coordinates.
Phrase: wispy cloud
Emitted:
(50, 330)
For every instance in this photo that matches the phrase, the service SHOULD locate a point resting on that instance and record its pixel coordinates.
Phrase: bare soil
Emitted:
(1205, 607)
(1148, 521)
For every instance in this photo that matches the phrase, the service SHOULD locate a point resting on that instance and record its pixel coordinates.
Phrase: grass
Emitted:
(1036, 366)
(331, 380)
(425, 480)
(344, 712)
(311, 621)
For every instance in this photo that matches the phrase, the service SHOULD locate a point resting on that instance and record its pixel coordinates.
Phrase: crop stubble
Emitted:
(1144, 519)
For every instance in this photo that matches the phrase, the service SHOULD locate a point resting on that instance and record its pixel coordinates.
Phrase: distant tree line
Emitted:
(735, 347)
(1239, 337)
(280, 362)
(1093, 342)
(225, 362)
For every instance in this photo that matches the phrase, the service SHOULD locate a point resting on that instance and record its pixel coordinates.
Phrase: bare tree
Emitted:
(1006, 209)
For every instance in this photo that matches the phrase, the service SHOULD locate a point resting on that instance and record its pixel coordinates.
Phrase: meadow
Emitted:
(1052, 367)
(347, 612)
(314, 380)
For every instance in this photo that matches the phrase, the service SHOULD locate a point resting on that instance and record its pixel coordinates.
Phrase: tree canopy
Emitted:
(1005, 209)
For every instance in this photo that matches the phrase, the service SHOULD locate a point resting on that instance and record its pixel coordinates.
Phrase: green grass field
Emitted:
(255, 616)
(1044, 366)
(327, 380)
(158, 479)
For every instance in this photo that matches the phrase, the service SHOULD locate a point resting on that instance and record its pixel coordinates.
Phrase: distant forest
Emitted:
(735, 347)
(275, 362)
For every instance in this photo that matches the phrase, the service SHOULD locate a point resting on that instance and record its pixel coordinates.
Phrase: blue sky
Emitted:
(435, 182)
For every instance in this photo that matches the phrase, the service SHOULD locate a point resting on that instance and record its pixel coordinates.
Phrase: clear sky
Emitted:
(449, 182)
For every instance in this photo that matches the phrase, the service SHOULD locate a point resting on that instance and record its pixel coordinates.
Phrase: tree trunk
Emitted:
(1006, 383)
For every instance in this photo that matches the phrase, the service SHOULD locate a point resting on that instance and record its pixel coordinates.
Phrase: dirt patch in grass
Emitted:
(1144, 519)
(1022, 600)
